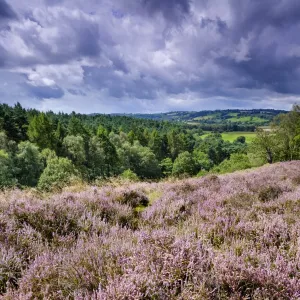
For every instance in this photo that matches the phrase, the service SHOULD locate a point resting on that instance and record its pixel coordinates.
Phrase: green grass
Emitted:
(208, 117)
(231, 136)
(265, 128)
(152, 196)
(192, 123)
(247, 119)
(233, 117)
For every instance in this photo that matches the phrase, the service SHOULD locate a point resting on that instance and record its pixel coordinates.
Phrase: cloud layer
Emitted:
(150, 55)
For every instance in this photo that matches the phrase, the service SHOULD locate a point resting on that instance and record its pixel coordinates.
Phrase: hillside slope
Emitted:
(254, 117)
(235, 236)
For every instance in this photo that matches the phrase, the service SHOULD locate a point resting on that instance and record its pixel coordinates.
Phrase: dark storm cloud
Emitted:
(44, 92)
(272, 27)
(54, 37)
(106, 78)
(250, 14)
(6, 12)
(218, 23)
(54, 2)
(76, 92)
(88, 40)
(261, 72)
(173, 10)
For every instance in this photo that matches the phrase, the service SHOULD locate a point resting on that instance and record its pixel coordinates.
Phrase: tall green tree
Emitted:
(60, 134)
(96, 158)
(166, 166)
(287, 130)
(131, 137)
(40, 131)
(109, 150)
(175, 143)
(20, 118)
(7, 178)
(141, 160)
(59, 173)
(74, 147)
(184, 164)
(215, 147)
(202, 160)
(3, 141)
(76, 127)
(29, 163)
(156, 145)
(266, 146)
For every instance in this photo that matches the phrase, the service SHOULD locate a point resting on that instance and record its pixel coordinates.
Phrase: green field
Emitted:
(208, 117)
(247, 119)
(233, 114)
(234, 118)
(231, 136)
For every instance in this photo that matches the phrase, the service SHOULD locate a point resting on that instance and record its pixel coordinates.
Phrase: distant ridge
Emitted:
(245, 117)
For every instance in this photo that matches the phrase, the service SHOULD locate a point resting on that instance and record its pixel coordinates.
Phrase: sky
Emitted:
(147, 56)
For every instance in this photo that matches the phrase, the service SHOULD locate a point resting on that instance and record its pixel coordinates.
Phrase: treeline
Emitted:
(282, 142)
(51, 150)
(219, 120)
(221, 114)
(227, 127)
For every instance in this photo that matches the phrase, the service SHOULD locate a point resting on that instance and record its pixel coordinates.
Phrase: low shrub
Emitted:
(129, 175)
(269, 193)
(133, 198)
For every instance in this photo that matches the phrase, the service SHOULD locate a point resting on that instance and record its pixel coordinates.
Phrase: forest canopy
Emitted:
(49, 150)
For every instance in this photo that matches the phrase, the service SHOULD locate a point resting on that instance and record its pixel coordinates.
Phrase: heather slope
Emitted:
(235, 236)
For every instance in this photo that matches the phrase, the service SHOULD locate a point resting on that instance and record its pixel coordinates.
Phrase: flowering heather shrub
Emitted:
(269, 193)
(234, 236)
(11, 266)
(133, 198)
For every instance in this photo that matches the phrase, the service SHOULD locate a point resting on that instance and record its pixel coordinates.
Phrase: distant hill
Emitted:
(254, 116)
(228, 120)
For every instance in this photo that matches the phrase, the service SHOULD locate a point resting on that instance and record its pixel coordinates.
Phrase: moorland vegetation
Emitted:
(233, 236)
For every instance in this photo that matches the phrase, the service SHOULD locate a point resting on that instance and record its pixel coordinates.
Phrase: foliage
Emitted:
(202, 160)
(75, 149)
(29, 164)
(48, 154)
(59, 172)
(287, 133)
(166, 166)
(96, 155)
(3, 141)
(234, 135)
(7, 178)
(103, 146)
(110, 157)
(129, 175)
(215, 147)
(236, 162)
(266, 146)
(141, 160)
(184, 164)
(220, 120)
(40, 131)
